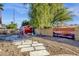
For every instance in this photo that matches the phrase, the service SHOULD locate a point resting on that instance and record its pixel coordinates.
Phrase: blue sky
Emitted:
(21, 13)
(74, 7)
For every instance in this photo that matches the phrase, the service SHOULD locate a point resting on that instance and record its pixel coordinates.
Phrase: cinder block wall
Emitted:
(48, 31)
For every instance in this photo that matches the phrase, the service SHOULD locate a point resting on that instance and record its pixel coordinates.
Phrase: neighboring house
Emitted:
(2, 28)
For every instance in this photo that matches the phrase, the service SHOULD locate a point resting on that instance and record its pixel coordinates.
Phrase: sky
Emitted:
(21, 13)
(74, 7)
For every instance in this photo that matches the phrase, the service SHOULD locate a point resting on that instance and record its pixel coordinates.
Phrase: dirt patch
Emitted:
(53, 47)
(56, 48)
(8, 49)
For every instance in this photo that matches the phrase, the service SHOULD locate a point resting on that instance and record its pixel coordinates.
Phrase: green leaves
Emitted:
(44, 15)
(12, 26)
(62, 15)
(40, 15)
(25, 22)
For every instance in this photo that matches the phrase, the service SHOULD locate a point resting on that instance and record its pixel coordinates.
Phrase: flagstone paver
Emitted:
(37, 44)
(27, 42)
(39, 53)
(33, 47)
(23, 46)
(27, 49)
(17, 43)
(40, 48)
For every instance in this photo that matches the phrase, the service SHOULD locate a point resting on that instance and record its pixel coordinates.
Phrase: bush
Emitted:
(25, 22)
(12, 26)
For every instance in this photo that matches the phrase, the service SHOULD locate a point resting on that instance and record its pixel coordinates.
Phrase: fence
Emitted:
(48, 31)
(68, 32)
(8, 31)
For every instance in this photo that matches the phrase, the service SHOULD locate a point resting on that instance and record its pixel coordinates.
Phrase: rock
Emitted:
(27, 42)
(27, 49)
(23, 46)
(39, 53)
(40, 48)
(34, 42)
(17, 43)
(37, 44)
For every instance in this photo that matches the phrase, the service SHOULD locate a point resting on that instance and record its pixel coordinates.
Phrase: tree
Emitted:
(12, 26)
(25, 22)
(1, 9)
(40, 15)
(44, 15)
(62, 15)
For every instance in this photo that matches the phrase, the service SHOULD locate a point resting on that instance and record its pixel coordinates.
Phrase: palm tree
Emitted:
(62, 15)
(1, 8)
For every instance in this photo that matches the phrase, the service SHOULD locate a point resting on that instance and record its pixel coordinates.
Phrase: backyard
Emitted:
(39, 29)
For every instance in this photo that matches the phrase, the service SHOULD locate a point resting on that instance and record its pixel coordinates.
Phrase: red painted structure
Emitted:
(26, 29)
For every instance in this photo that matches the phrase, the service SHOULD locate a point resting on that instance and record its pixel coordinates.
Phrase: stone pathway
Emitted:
(33, 47)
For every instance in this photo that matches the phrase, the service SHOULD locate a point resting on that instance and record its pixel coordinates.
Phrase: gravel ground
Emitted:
(8, 49)
(56, 48)
(53, 47)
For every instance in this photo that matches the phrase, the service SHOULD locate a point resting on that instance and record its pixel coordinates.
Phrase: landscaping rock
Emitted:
(40, 48)
(34, 42)
(37, 44)
(17, 43)
(27, 49)
(23, 46)
(39, 53)
(27, 42)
